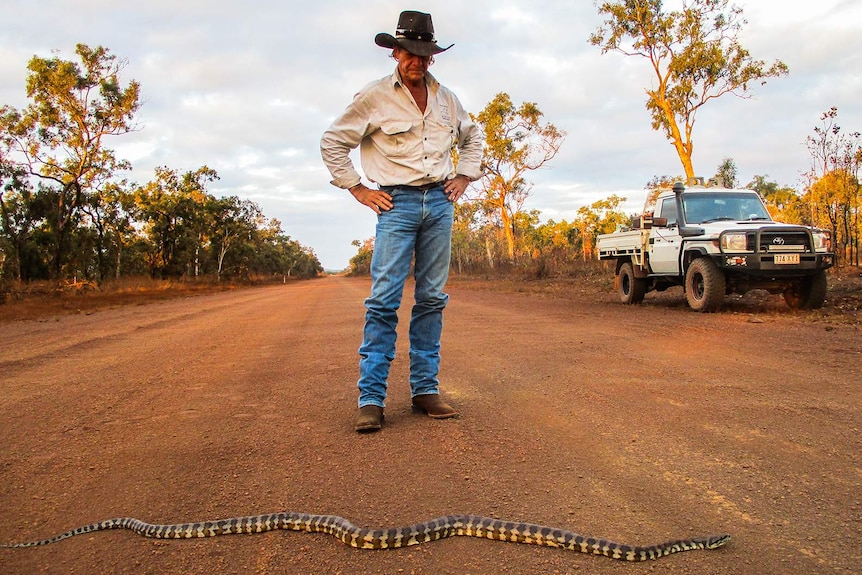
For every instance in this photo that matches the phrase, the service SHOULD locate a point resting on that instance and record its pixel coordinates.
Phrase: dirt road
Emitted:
(634, 424)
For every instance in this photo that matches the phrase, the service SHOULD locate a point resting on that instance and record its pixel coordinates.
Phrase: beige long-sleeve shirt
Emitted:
(398, 144)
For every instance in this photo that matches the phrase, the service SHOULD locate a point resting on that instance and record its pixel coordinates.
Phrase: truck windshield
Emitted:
(705, 207)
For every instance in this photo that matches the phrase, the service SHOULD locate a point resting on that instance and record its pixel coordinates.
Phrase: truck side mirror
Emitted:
(659, 222)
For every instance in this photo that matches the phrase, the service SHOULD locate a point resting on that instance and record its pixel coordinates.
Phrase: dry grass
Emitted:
(38, 300)
(41, 299)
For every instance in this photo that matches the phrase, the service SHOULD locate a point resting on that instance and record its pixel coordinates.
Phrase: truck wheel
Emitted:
(631, 289)
(705, 285)
(807, 293)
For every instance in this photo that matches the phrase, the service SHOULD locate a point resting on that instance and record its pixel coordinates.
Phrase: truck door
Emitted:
(665, 242)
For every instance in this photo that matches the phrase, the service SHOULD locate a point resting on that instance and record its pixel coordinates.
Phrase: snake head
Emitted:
(717, 541)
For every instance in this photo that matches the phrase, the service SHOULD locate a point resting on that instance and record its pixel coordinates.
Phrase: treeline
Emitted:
(170, 227)
(66, 214)
(831, 201)
(480, 244)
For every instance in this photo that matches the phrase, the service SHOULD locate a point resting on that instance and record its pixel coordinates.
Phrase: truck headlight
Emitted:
(822, 240)
(734, 243)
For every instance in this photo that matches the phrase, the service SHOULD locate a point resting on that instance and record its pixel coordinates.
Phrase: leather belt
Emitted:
(422, 188)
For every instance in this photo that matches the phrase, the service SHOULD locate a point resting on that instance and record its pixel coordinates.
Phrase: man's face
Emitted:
(411, 67)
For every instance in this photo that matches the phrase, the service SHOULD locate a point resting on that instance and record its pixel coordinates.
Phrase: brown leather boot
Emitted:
(432, 405)
(370, 418)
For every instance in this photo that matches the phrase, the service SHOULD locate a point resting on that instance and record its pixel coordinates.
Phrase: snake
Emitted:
(393, 538)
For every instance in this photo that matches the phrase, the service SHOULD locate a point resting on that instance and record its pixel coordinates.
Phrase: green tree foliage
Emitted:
(466, 245)
(231, 220)
(360, 264)
(108, 213)
(60, 136)
(189, 232)
(600, 217)
(694, 53)
(65, 214)
(173, 208)
(783, 202)
(516, 142)
(278, 253)
(727, 173)
(16, 221)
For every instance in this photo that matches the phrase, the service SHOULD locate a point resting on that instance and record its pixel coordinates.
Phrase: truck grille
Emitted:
(776, 241)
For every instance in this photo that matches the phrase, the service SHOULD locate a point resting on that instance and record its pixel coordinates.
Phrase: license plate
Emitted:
(786, 258)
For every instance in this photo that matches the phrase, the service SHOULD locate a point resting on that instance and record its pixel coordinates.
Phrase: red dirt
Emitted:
(638, 424)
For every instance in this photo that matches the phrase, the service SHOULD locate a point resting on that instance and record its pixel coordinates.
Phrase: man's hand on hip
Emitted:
(377, 200)
(456, 187)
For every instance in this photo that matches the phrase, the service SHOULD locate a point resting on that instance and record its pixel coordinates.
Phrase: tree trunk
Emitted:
(683, 147)
(119, 254)
(509, 230)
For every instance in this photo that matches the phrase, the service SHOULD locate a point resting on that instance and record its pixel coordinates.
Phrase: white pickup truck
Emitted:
(717, 241)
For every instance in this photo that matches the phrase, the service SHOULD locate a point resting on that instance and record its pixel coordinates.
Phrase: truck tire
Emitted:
(808, 293)
(705, 285)
(631, 289)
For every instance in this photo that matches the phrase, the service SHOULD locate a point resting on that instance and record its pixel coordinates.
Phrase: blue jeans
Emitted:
(418, 226)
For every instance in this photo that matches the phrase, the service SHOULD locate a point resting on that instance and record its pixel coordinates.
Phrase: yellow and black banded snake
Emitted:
(395, 537)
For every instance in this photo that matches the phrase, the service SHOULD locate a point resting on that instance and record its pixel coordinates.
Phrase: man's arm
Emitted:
(344, 135)
(469, 146)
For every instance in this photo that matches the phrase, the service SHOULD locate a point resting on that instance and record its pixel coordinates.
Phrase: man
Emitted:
(405, 126)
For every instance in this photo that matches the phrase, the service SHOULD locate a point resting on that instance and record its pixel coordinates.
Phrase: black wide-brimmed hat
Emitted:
(415, 33)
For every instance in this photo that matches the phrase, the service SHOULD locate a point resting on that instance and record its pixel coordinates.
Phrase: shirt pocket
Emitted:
(440, 138)
(395, 138)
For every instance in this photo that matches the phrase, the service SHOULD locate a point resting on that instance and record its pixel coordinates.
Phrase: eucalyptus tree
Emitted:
(516, 142)
(694, 54)
(60, 136)
(16, 222)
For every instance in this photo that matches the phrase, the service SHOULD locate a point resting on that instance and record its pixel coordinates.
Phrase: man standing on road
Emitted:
(405, 126)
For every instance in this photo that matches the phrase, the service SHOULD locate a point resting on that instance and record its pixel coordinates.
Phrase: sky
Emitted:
(247, 89)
